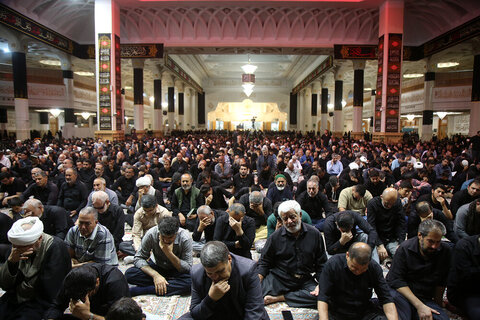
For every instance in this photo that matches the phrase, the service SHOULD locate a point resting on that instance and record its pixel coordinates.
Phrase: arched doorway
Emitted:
(246, 115)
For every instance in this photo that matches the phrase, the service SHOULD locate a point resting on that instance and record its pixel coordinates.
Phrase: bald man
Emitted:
(355, 269)
(385, 214)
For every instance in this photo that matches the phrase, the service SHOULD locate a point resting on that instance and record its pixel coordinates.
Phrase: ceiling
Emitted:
(424, 20)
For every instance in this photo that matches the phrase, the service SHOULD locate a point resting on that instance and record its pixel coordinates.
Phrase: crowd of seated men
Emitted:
(324, 214)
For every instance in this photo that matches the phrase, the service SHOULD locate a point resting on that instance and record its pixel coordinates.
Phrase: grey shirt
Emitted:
(182, 248)
(460, 222)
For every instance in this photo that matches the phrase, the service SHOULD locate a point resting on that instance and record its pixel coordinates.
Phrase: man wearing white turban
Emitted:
(34, 271)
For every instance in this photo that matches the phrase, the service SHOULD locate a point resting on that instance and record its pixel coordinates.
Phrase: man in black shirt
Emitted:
(290, 256)
(374, 184)
(419, 273)
(385, 214)
(465, 196)
(56, 220)
(437, 199)
(109, 215)
(259, 208)
(165, 174)
(100, 173)
(87, 173)
(340, 231)
(424, 211)
(355, 269)
(215, 196)
(89, 290)
(236, 230)
(315, 203)
(43, 190)
(463, 290)
(73, 194)
(124, 186)
(242, 179)
(11, 187)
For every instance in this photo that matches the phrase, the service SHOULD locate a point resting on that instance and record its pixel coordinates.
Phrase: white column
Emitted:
(179, 87)
(188, 108)
(308, 109)
(301, 111)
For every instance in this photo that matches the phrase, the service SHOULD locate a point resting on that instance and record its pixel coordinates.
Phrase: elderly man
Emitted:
(205, 225)
(56, 220)
(315, 203)
(145, 186)
(148, 216)
(225, 286)
(100, 185)
(355, 269)
(354, 198)
(89, 291)
(386, 216)
(171, 247)
(236, 230)
(281, 192)
(34, 271)
(293, 172)
(100, 173)
(89, 241)
(463, 290)
(335, 166)
(43, 190)
(185, 202)
(259, 208)
(291, 255)
(73, 194)
(109, 215)
(419, 273)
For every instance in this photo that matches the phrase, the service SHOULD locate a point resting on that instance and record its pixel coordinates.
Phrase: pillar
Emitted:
(68, 130)
(308, 109)
(201, 110)
(389, 74)
(372, 110)
(324, 108)
(301, 111)
(20, 91)
(475, 107)
(293, 114)
(316, 92)
(108, 70)
(157, 108)
(179, 86)
(187, 91)
(427, 120)
(171, 108)
(138, 107)
(358, 79)
(338, 125)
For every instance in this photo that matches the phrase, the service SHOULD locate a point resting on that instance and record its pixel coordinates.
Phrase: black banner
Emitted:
(324, 98)
(137, 86)
(355, 52)
(171, 99)
(201, 108)
(358, 76)
(314, 104)
(19, 63)
(157, 94)
(293, 108)
(338, 95)
(181, 105)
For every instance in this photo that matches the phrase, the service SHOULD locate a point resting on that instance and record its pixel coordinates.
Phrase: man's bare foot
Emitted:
(273, 299)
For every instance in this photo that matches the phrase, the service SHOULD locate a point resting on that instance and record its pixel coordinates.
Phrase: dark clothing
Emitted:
(375, 189)
(126, 186)
(209, 230)
(428, 198)
(87, 176)
(114, 219)
(11, 189)
(242, 302)
(73, 197)
(218, 201)
(223, 232)
(422, 276)
(464, 274)
(260, 220)
(414, 221)
(53, 269)
(348, 295)
(389, 223)
(56, 221)
(239, 182)
(316, 207)
(183, 205)
(47, 195)
(276, 195)
(293, 259)
(333, 235)
(332, 194)
(459, 199)
(180, 166)
(113, 286)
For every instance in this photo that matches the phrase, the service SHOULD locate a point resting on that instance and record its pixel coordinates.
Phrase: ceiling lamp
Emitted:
(248, 86)
(85, 115)
(152, 99)
(247, 91)
(410, 117)
(84, 73)
(164, 104)
(55, 112)
(51, 62)
(441, 115)
(249, 68)
(413, 75)
(447, 64)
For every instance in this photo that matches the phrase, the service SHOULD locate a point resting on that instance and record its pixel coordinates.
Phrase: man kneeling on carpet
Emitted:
(225, 286)
(172, 250)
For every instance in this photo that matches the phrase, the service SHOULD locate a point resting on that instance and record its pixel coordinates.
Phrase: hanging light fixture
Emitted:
(55, 112)
(247, 92)
(441, 115)
(410, 117)
(85, 115)
(248, 78)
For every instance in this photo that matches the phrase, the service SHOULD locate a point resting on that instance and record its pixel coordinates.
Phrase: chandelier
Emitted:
(248, 78)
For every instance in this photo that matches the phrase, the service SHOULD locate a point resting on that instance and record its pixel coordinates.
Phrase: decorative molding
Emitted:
(312, 76)
(178, 71)
(363, 52)
(141, 50)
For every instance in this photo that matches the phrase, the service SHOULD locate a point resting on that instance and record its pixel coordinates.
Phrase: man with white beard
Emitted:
(290, 256)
